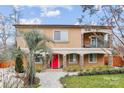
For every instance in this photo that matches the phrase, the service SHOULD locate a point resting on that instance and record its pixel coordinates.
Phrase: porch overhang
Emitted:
(82, 50)
(75, 50)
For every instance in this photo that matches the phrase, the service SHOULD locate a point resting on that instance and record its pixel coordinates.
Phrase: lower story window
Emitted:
(92, 58)
(38, 59)
(73, 58)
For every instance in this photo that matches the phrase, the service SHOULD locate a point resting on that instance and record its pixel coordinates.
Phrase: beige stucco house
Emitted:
(82, 45)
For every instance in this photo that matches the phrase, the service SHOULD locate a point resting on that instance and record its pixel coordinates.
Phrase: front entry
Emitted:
(54, 62)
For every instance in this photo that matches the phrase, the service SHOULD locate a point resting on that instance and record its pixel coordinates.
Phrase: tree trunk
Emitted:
(31, 69)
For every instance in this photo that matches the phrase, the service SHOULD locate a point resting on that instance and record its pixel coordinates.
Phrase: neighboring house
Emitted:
(74, 44)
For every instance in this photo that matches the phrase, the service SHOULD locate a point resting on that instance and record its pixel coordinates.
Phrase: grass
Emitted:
(97, 81)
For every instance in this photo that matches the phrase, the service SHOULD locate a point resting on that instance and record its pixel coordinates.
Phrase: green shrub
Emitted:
(19, 64)
(101, 71)
(73, 68)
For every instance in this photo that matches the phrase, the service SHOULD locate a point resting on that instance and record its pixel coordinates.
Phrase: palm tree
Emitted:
(36, 42)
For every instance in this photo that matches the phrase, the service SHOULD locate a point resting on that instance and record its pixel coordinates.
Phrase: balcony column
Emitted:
(110, 40)
(110, 60)
(64, 61)
(82, 39)
(81, 60)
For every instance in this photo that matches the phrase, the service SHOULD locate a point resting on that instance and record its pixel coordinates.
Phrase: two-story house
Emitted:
(82, 45)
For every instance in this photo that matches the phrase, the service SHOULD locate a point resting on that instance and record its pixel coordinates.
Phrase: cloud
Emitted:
(68, 7)
(77, 23)
(51, 13)
(31, 21)
(47, 10)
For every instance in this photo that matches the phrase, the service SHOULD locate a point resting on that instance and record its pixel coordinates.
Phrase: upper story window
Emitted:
(60, 36)
(94, 41)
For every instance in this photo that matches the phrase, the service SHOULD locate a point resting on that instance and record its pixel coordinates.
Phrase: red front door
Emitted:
(55, 63)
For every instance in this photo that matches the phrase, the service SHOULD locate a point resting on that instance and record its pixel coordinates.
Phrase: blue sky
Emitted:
(46, 14)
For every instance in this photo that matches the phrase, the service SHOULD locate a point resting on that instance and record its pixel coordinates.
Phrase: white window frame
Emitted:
(96, 41)
(73, 62)
(60, 36)
(92, 61)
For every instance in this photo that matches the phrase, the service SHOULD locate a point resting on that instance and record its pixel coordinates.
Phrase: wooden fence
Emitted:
(6, 63)
(117, 61)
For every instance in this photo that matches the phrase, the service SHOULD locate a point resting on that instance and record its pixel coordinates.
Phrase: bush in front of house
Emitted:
(19, 64)
(87, 72)
(73, 68)
(19, 61)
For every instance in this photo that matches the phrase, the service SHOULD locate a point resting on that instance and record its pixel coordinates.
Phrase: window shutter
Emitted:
(64, 36)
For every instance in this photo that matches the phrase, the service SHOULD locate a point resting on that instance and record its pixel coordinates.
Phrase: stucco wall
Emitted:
(100, 60)
(74, 37)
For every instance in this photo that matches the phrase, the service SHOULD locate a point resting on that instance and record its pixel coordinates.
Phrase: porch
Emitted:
(60, 61)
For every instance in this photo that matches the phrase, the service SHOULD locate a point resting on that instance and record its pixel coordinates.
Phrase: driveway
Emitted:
(50, 78)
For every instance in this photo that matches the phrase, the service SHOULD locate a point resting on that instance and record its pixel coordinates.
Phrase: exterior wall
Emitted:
(100, 61)
(60, 60)
(74, 42)
(21, 42)
(38, 67)
(25, 61)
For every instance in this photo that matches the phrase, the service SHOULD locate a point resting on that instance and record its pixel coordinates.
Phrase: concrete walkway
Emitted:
(50, 78)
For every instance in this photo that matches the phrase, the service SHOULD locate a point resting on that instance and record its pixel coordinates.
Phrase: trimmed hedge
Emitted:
(88, 72)
(73, 68)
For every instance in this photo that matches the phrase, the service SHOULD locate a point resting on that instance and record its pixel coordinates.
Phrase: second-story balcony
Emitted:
(97, 40)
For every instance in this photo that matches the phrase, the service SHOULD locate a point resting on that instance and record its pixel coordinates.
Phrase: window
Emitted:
(92, 58)
(38, 58)
(57, 35)
(61, 36)
(72, 58)
(94, 42)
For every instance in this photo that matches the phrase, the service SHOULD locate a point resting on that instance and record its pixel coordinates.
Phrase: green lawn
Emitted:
(96, 81)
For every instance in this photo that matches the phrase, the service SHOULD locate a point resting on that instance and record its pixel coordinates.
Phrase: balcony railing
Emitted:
(98, 45)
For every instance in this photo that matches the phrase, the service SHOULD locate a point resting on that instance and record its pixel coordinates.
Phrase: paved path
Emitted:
(50, 78)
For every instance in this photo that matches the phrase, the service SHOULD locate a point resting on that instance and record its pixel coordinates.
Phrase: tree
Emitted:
(5, 30)
(19, 62)
(36, 42)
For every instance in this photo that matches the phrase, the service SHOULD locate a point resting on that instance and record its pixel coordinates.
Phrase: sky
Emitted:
(60, 14)
(34, 14)
(65, 14)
